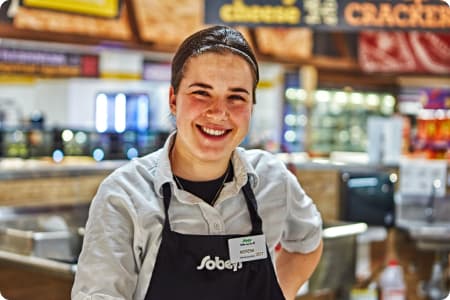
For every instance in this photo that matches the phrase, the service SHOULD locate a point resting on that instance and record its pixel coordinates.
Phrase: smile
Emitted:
(213, 132)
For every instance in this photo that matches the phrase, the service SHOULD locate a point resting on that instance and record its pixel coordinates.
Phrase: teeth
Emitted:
(213, 131)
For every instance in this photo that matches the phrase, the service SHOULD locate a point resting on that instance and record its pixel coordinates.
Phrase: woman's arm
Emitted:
(294, 269)
(107, 266)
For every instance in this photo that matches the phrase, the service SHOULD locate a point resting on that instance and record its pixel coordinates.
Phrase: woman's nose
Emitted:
(218, 111)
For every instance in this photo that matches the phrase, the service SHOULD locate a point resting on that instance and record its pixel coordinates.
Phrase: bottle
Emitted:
(392, 283)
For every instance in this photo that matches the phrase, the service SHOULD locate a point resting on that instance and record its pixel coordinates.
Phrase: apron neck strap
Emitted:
(252, 208)
(249, 199)
(167, 194)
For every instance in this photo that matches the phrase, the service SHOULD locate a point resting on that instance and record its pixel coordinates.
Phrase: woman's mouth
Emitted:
(213, 132)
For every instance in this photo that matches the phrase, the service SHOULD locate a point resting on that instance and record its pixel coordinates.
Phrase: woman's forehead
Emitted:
(212, 62)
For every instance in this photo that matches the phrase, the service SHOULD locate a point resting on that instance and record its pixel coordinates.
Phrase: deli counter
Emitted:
(44, 207)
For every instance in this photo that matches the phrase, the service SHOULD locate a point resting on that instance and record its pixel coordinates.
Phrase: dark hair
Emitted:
(219, 39)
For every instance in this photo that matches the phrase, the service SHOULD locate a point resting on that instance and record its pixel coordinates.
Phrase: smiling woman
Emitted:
(213, 108)
(182, 216)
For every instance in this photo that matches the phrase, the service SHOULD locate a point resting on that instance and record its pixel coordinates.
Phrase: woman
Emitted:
(200, 218)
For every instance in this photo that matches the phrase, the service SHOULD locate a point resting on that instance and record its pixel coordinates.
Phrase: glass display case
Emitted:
(337, 119)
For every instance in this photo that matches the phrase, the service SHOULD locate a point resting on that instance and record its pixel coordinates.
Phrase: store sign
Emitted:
(332, 14)
(154, 71)
(404, 52)
(47, 64)
(104, 8)
(417, 14)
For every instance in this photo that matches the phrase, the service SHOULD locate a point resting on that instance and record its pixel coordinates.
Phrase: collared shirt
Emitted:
(126, 217)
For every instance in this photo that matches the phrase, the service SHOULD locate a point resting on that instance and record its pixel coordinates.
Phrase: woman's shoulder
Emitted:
(132, 186)
(262, 162)
(138, 173)
(138, 165)
(259, 157)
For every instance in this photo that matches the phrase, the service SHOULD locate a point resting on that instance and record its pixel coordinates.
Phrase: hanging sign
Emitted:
(405, 14)
(104, 8)
(351, 15)
(47, 64)
(404, 52)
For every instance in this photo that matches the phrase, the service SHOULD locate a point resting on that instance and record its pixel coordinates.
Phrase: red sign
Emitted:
(404, 52)
(89, 66)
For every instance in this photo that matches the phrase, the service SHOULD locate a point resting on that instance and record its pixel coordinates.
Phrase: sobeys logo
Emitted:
(218, 264)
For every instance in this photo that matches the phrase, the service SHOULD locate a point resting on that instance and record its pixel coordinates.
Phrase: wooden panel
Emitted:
(287, 43)
(167, 22)
(52, 21)
(323, 187)
(17, 283)
(45, 191)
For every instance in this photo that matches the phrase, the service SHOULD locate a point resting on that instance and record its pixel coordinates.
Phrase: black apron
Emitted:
(196, 267)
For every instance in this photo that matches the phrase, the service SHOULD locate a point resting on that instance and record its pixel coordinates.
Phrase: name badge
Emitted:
(247, 248)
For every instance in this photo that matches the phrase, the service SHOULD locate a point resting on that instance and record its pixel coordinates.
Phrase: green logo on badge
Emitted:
(247, 242)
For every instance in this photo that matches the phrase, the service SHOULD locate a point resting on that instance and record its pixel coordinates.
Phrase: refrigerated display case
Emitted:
(295, 115)
(338, 119)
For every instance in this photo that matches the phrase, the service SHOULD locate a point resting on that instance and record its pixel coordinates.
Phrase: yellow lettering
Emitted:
(17, 68)
(370, 11)
(400, 15)
(226, 13)
(385, 15)
(238, 11)
(440, 16)
(433, 17)
(353, 14)
(293, 15)
(417, 15)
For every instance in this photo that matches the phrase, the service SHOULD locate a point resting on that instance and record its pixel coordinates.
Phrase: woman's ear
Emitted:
(172, 101)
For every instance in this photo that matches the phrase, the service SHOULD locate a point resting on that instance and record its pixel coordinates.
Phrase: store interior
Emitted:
(361, 117)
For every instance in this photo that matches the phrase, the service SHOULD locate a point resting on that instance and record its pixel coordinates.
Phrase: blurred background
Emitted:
(354, 97)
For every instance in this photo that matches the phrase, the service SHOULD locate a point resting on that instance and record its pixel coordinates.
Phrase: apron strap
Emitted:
(249, 199)
(252, 208)
(167, 194)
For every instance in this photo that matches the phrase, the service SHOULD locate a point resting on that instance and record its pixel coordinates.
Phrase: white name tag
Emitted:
(247, 248)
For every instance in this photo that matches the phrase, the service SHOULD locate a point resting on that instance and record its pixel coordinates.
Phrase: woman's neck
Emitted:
(191, 168)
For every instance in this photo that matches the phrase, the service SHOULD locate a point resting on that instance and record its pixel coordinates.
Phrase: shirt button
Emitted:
(216, 226)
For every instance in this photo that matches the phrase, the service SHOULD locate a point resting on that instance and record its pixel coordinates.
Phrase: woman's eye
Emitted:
(237, 97)
(201, 93)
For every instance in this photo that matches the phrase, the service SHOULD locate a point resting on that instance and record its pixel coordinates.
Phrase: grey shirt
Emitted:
(126, 217)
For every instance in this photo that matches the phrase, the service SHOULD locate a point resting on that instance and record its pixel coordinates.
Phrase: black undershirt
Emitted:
(206, 190)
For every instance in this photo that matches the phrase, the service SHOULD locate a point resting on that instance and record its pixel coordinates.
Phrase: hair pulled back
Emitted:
(219, 39)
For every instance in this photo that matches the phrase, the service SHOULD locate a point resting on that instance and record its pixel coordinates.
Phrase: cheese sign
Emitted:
(350, 15)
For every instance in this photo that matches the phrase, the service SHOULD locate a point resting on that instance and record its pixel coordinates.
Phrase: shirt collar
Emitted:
(242, 168)
(163, 168)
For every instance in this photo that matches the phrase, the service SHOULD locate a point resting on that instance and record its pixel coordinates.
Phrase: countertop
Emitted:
(30, 168)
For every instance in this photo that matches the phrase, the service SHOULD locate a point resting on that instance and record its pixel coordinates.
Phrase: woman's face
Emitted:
(213, 106)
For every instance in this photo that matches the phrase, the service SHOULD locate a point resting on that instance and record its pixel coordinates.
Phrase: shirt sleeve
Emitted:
(107, 268)
(303, 225)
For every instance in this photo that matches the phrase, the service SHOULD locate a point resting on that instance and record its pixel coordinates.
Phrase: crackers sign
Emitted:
(351, 15)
